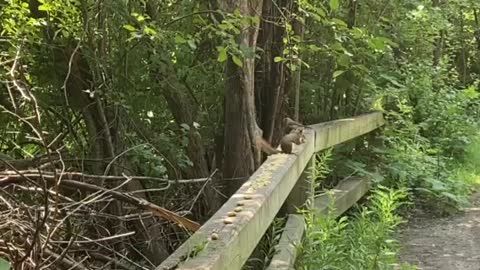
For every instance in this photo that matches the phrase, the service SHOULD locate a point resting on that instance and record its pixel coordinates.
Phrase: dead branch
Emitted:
(9, 177)
(140, 203)
(104, 258)
(65, 261)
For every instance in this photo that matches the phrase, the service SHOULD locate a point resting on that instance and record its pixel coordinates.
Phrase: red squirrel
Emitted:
(295, 136)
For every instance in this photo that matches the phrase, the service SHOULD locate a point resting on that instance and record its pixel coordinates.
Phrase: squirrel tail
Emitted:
(266, 147)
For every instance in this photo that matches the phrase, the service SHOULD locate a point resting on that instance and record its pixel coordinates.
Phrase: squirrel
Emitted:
(291, 124)
(296, 136)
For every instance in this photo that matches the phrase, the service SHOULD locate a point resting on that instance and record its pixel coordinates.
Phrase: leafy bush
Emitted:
(362, 241)
(428, 130)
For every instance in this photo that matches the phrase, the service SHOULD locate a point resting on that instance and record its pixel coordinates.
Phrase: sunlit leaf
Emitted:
(339, 22)
(129, 27)
(334, 4)
(338, 73)
(237, 61)
(185, 126)
(192, 44)
(45, 7)
(222, 55)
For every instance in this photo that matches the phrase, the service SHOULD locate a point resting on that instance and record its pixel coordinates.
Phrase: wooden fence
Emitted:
(228, 238)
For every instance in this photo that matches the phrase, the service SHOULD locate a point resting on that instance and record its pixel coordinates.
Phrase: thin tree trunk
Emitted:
(241, 154)
(185, 111)
(293, 85)
(439, 41)
(270, 83)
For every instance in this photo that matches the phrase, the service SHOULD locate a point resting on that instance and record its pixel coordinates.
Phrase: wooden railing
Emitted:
(228, 238)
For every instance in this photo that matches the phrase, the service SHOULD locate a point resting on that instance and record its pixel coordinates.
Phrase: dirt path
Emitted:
(449, 243)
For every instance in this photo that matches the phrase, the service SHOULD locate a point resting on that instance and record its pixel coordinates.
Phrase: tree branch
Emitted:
(124, 197)
(11, 177)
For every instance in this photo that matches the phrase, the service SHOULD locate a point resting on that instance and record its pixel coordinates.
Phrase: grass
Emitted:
(469, 169)
(364, 240)
(360, 241)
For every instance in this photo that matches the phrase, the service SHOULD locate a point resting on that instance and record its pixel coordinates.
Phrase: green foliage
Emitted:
(318, 173)
(363, 241)
(417, 62)
(228, 30)
(390, 59)
(428, 129)
(149, 163)
(265, 249)
(18, 24)
(4, 265)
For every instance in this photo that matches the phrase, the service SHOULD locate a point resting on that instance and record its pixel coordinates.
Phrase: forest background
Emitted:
(167, 100)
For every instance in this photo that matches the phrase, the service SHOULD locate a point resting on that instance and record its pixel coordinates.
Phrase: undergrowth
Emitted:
(467, 170)
(360, 241)
(363, 239)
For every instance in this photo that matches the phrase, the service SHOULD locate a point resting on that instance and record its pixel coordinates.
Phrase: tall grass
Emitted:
(361, 241)
(468, 170)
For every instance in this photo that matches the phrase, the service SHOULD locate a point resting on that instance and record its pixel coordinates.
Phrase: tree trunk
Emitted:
(439, 41)
(241, 154)
(293, 81)
(270, 83)
(276, 81)
(185, 111)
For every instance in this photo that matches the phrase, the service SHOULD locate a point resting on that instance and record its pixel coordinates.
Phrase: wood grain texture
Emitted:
(335, 132)
(287, 246)
(259, 199)
(240, 223)
(343, 196)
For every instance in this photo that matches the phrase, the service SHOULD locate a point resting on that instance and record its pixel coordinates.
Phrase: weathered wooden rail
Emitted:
(227, 239)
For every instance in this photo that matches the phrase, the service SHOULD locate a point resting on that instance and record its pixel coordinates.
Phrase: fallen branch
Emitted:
(104, 258)
(141, 203)
(11, 177)
(159, 211)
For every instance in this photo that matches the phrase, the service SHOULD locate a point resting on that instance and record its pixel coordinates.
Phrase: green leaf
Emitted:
(338, 73)
(471, 93)
(223, 26)
(179, 39)
(344, 60)
(129, 27)
(337, 46)
(4, 265)
(237, 12)
(277, 59)
(362, 68)
(339, 22)
(149, 31)
(192, 44)
(380, 43)
(45, 7)
(185, 126)
(334, 4)
(222, 55)
(237, 61)
(357, 32)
